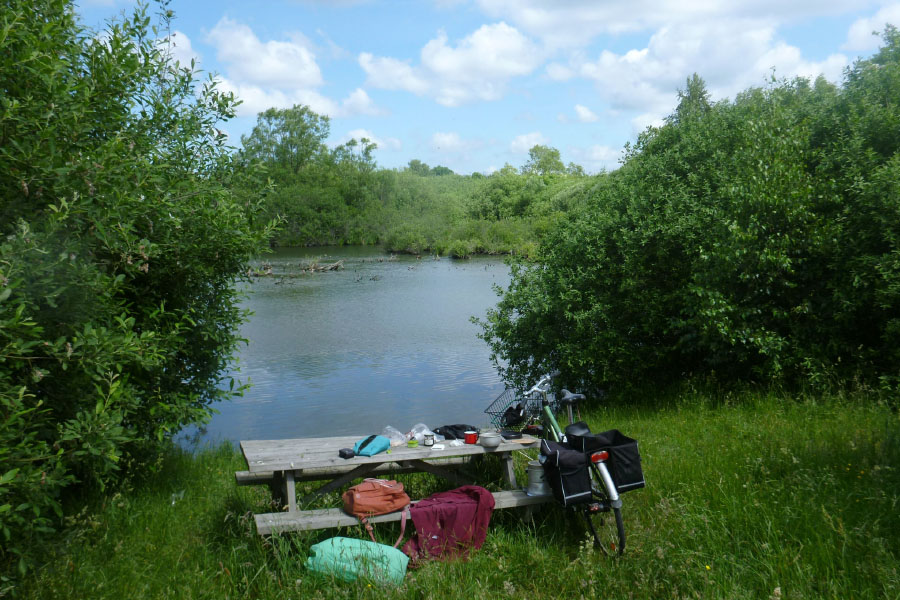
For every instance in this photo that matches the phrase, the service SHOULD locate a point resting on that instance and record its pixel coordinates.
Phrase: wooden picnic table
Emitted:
(282, 463)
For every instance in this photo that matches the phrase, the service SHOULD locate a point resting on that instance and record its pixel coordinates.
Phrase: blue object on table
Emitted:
(372, 445)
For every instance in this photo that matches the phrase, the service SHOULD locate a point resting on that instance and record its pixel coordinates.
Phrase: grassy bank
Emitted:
(747, 497)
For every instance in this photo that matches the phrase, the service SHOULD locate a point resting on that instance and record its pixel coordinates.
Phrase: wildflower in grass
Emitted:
(708, 567)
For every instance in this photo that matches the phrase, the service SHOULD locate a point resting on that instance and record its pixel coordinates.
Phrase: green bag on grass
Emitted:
(349, 559)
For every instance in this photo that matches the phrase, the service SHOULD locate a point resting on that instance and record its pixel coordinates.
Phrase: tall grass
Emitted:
(748, 496)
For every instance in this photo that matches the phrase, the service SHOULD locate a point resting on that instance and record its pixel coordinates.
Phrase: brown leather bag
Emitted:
(377, 497)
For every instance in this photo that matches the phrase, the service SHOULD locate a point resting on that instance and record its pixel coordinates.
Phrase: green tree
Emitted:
(290, 138)
(121, 244)
(441, 170)
(544, 160)
(419, 168)
(693, 100)
(575, 170)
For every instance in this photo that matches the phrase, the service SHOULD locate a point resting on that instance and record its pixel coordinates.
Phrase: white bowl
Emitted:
(490, 439)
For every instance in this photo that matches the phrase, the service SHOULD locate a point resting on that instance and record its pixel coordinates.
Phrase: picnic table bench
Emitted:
(280, 464)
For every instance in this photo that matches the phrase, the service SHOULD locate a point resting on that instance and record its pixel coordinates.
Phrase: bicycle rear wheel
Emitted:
(604, 520)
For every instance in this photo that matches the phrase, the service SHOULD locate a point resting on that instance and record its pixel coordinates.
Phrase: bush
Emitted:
(406, 240)
(462, 248)
(751, 240)
(121, 246)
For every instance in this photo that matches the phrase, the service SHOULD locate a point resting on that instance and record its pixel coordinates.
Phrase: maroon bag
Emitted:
(449, 524)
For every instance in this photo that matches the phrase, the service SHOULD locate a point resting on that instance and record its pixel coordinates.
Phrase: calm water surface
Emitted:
(374, 344)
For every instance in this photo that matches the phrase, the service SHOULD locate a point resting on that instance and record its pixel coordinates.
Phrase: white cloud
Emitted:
(256, 99)
(477, 68)
(645, 120)
(358, 103)
(180, 48)
(447, 142)
(596, 157)
(732, 45)
(450, 143)
(392, 74)
(389, 143)
(274, 63)
(335, 51)
(559, 72)
(729, 55)
(585, 115)
(277, 73)
(525, 142)
(574, 23)
(860, 38)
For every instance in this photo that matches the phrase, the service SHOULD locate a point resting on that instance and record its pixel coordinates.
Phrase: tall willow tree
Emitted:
(288, 138)
(121, 244)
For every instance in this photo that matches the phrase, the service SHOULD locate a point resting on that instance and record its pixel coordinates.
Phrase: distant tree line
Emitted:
(338, 195)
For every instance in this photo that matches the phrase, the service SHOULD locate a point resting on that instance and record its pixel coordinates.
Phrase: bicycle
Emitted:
(539, 404)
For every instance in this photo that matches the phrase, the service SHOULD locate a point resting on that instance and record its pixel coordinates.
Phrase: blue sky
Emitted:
(473, 84)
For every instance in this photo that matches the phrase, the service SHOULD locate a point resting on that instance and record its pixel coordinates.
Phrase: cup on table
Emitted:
(471, 437)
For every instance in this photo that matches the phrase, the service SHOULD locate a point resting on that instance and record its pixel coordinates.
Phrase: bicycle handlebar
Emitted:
(543, 382)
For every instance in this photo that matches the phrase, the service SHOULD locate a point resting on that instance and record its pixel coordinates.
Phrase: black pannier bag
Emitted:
(624, 459)
(566, 472)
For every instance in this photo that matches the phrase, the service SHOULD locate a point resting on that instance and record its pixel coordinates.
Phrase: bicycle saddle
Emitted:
(568, 398)
(579, 428)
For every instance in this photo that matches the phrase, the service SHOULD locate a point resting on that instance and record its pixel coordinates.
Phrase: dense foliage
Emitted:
(753, 239)
(120, 246)
(339, 196)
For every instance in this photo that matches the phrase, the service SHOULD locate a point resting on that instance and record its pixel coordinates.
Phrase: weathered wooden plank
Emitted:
(267, 524)
(285, 455)
(258, 478)
(266, 477)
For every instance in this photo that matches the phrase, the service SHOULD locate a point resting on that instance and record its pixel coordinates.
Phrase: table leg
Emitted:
(276, 488)
(509, 471)
(290, 490)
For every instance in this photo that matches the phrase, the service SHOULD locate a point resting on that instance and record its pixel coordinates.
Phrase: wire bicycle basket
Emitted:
(513, 410)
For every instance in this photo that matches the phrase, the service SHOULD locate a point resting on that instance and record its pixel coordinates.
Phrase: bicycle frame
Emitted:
(603, 488)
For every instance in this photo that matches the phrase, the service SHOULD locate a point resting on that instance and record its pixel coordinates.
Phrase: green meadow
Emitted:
(749, 495)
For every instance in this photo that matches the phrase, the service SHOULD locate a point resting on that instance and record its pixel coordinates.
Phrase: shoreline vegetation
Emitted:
(749, 495)
(339, 196)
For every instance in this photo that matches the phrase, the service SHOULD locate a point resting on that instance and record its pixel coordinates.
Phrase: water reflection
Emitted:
(378, 343)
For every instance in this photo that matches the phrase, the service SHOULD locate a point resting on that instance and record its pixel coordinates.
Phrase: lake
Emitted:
(383, 341)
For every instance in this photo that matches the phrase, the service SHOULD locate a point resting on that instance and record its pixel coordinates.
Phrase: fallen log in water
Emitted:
(318, 268)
